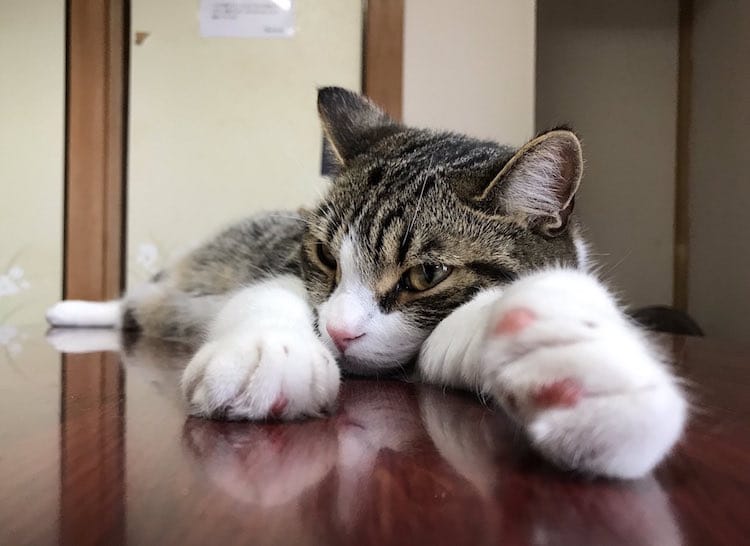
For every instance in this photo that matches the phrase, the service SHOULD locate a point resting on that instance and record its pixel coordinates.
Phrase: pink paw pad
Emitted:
(514, 321)
(566, 393)
(278, 406)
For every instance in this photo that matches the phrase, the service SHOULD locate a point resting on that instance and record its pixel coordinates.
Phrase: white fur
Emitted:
(632, 411)
(352, 305)
(450, 354)
(389, 340)
(262, 348)
(535, 185)
(85, 313)
(582, 254)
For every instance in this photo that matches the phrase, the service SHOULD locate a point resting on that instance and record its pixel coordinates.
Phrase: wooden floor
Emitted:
(95, 450)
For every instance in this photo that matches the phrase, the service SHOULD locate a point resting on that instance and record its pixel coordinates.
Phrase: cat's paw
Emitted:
(584, 383)
(260, 375)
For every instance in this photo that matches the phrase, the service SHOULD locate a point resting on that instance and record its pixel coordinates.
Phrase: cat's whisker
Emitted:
(416, 211)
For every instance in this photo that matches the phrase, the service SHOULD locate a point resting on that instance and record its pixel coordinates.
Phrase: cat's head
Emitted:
(415, 222)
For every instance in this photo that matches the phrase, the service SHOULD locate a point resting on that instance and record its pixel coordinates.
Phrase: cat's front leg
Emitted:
(262, 358)
(555, 351)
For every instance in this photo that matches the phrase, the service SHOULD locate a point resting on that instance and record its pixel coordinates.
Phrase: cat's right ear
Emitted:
(351, 123)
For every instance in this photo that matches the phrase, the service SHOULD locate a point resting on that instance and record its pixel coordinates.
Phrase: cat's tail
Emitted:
(152, 309)
(85, 314)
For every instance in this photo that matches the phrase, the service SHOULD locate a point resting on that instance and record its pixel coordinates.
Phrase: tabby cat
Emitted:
(456, 258)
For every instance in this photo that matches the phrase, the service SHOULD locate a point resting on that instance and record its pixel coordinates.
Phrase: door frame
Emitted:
(96, 127)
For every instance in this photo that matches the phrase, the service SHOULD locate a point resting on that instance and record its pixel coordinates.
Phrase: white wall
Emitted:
(609, 69)
(469, 67)
(32, 94)
(719, 183)
(223, 127)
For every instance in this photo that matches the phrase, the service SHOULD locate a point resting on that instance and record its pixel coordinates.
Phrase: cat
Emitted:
(458, 257)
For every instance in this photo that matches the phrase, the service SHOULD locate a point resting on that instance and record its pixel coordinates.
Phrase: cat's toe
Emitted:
(513, 321)
(621, 435)
(565, 393)
(264, 377)
(605, 406)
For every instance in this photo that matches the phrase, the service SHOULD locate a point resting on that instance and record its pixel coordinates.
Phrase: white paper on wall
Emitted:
(247, 18)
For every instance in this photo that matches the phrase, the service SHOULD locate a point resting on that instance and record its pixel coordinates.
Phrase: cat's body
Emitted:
(434, 249)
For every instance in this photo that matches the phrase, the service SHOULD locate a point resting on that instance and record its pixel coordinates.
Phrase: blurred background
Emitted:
(133, 129)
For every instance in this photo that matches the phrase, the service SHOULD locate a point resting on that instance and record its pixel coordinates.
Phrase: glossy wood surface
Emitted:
(96, 449)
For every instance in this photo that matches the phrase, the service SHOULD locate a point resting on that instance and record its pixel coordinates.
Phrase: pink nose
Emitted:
(342, 338)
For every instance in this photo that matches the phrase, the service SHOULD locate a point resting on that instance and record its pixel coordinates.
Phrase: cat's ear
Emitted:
(539, 182)
(351, 123)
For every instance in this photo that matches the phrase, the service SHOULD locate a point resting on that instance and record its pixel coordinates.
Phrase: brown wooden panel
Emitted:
(382, 72)
(96, 44)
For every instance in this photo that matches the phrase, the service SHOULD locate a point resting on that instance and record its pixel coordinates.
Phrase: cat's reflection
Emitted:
(405, 463)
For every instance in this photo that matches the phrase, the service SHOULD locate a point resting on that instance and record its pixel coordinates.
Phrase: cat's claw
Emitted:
(584, 384)
(262, 375)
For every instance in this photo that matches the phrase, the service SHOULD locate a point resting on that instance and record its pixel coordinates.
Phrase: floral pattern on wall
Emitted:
(13, 282)
(149, 257)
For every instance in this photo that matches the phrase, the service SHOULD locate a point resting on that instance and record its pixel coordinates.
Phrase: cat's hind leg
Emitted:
(85, 314)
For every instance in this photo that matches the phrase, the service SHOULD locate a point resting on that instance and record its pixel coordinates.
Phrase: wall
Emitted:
(719, 188)
(470, 67)
(223, 127)
(32, 49)
(609, 69)
(32, 57)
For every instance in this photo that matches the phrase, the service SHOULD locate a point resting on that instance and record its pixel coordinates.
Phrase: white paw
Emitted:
(76, 313)
(261, 374)
(584, 383)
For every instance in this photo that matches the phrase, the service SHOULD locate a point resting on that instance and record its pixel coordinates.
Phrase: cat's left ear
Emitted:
(539, 182)
(351, 123)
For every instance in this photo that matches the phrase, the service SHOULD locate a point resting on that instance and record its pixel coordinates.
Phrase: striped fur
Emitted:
(411, 196)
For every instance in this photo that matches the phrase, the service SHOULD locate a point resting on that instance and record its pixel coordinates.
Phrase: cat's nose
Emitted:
(342, 337)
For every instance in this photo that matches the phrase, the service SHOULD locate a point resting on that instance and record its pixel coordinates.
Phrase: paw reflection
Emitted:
(399, 463)
(407, 463)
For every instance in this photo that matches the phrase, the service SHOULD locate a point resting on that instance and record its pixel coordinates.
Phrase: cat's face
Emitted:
(416, 222)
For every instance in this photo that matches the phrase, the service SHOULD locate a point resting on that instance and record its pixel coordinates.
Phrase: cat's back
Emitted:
(247, 251)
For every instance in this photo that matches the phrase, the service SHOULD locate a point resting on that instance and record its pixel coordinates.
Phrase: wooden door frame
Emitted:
(96, 124)
(383, 54)
(95, 148)
(96, 41)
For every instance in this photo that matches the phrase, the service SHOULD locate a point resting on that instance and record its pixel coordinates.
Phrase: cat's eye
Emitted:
(324, 255)
(424, 276)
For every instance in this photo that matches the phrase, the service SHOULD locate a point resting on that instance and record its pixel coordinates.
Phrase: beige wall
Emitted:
(469, 67)
(223, 127)
(32, 49)
(608, 68)
(719, 183)
(32, 57)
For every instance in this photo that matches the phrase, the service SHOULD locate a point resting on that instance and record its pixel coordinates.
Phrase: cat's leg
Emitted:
(262, 358)
(556, 352)
(86, 314)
